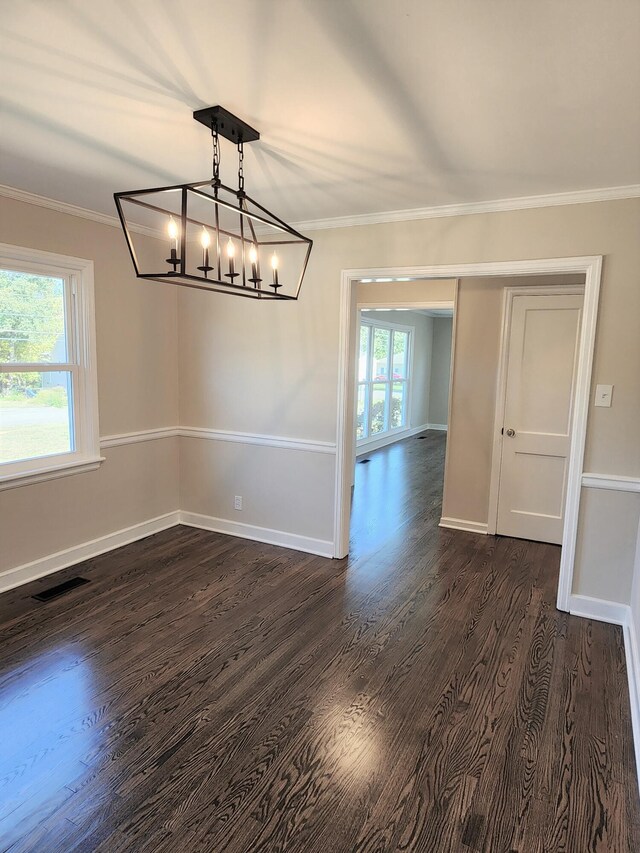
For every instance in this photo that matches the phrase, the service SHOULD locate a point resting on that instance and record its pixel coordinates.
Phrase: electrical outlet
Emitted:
(237, 502)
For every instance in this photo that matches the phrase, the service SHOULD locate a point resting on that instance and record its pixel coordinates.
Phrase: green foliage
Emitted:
(26, 395)
(377, 414)
(56, 397)
(31, 322)
(377, 417)
(381, 342)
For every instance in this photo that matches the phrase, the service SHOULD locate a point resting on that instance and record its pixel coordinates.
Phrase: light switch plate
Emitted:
(604, 393)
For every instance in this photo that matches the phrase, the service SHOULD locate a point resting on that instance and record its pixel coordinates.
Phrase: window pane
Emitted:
(398, 405)
(31, 318)
(362, 420)
(363, 357)
(381, 342)
(35, 410)
(400, 351)
(379, 393)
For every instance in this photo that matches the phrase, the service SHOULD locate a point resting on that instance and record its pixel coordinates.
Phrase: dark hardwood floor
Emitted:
(205, 693)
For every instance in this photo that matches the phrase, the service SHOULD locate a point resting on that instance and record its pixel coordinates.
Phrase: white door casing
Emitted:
(540, 363)
(591, 267)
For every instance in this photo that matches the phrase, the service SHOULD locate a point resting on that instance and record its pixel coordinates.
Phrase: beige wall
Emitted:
(421, 368)
(440, 371)
(281, 360)
(470, 434)
(406, 292)
(135, 483)
(213, 472)
(136, 331)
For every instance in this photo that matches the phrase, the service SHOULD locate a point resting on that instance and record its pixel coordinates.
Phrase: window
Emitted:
(383, 379)
(48, 389)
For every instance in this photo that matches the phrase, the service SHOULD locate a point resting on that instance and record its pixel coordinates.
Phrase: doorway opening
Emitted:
(564, 271)
(401, 398)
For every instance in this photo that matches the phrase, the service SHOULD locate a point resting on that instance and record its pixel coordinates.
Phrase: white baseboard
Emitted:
(463, 524)
(62, 559)
(322, 547)
(632, 654)
(598, 609)
(618, 614)
(370, 444)
(86, 550)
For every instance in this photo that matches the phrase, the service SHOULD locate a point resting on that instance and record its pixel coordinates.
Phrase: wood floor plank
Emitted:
(206, 693)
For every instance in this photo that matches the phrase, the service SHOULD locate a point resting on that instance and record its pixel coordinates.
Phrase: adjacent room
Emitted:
(319, 421)
(403, 376)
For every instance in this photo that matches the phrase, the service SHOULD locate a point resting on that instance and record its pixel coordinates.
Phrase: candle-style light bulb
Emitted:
(231, 253)
(173, 231)
(253, 258)
(274, 266)
(205, 242)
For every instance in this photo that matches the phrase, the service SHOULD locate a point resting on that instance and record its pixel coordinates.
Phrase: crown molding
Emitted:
(467, 208)
(385, 216)
(71, 209)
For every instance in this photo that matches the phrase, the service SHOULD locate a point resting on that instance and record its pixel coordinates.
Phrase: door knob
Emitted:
(510, 432)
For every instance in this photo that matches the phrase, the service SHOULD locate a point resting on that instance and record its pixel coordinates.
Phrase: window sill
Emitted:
(389, 436)
(39, 475)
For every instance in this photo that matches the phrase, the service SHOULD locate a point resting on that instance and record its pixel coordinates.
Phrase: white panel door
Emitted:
(541, 365)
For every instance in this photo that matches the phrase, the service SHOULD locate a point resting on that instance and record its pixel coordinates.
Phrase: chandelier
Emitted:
(210, 236)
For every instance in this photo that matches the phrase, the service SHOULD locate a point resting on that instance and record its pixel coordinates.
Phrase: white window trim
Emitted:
(82, 342)
(396, 432)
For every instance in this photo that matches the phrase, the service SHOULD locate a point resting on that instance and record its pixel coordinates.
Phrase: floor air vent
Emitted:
(420, 437)
(60, 589)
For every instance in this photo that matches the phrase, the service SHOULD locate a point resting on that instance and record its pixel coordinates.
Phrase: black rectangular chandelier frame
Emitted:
(255, 223)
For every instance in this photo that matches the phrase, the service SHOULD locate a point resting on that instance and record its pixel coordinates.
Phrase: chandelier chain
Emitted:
(216, 154)
(240, 167)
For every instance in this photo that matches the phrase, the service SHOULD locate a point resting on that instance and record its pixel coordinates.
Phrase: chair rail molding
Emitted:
(611, 482)
(284, 442)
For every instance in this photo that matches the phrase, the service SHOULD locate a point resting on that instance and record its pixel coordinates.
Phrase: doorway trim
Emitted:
(496, 455)
(590, 266)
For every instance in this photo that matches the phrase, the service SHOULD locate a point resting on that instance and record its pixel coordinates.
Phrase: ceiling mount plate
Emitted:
(229, 126)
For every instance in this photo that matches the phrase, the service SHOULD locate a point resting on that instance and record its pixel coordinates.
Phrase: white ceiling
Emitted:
(363, 105)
